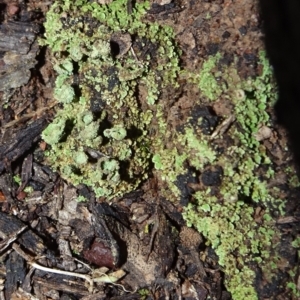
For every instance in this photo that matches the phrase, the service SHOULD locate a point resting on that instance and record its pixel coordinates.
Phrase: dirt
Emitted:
(139, 247)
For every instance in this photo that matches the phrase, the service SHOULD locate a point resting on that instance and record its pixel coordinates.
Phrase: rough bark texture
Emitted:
(18, 49)
(281, 23)
(18, 144)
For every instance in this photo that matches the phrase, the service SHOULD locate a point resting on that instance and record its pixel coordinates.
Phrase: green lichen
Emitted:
(103, 55)
(225, 216)
(117, 133)
(207, 81)
(17, 179)
(53, 133)
(81, 198)
(110, 95)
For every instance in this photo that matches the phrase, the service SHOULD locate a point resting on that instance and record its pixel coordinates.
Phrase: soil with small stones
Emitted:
(141, 240)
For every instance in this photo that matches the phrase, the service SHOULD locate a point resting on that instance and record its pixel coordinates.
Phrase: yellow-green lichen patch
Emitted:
(103, 55)
(111, 69)
(225, 211)
(207, 81)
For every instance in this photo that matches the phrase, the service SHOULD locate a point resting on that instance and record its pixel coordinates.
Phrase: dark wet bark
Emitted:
(18, 144)
(15, 273)
(10, 225)
(282, 27)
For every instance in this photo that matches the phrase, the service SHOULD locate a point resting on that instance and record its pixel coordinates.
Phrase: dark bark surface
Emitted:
(19, 47)
(15, 273)
(282, 29)
(21, 142)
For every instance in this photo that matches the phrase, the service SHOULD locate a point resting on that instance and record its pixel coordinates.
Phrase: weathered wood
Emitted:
(10, 225)
(15, 273)
(56, 283)
(14, 79)
(21, 142)
(18, 42)
(17, 36)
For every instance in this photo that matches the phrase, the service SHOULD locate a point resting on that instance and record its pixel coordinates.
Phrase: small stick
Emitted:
(56, 271)
(45, 269)
(223, 127)
(29, 115)
(135, 57)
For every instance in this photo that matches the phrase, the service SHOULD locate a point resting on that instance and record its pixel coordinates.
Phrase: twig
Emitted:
(2, 297)
(223, 127)
(135, 57)
(88, 278)
(287, 220)
(109, 280)
(30, 115)
(45, 269)
(86, 265)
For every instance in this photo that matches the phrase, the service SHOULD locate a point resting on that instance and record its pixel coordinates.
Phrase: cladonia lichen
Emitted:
(112, 128)
(105, 57)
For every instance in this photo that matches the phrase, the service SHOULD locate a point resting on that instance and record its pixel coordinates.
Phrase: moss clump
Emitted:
(98, 137)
